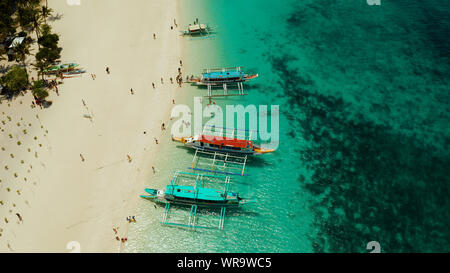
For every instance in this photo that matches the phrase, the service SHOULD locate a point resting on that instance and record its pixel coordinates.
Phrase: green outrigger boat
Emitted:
(195, 196)
(68, 68)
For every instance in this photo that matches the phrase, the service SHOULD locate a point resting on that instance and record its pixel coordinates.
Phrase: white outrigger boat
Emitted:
(198, 30)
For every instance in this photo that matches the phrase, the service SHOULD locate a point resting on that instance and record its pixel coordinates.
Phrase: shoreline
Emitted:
(76, 200)
(197, 55)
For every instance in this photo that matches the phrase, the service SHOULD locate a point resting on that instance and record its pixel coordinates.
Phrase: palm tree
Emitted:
(22, 50)
(29, 16)
(46, 12)
(41, 66)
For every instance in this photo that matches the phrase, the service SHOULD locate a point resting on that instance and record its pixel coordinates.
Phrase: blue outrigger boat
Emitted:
(219, 76)
(223, 78)
(189, 195)
(195, 196)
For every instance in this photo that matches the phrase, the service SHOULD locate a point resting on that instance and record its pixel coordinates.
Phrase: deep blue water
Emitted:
(364, 126)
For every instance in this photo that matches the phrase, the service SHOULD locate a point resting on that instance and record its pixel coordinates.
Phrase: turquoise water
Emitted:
(364, 135)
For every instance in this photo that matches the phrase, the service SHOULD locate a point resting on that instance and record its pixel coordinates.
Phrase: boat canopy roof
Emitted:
(223, 75)
(197, 27)
(226, 141)
(198, 193)
(17, 41)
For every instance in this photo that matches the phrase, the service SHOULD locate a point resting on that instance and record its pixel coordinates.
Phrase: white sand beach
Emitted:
(60, 197)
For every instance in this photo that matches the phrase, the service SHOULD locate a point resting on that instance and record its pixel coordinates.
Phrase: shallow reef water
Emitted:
(364, 127)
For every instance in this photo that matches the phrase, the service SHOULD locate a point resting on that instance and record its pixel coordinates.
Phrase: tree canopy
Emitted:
(15, 80)
(38, 90)
(7, 25)
(49, 51)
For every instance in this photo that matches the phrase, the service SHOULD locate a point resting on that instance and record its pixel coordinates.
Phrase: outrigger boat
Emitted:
(222, 77)
(188, 195)
(210, 141)
(55, 69)
(219, 76)
(195, 196)
(222, 145)
(198, 30)
(67, 69)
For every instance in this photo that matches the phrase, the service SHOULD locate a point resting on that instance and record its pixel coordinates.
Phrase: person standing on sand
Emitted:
(173, 101)
(156, 140)
(20, 217)
(154, 36)
(153, 168)
(162, 81)
(107, 70)
(153, 84)
(129, 158)
(132, 92)
(181, 63)
(82, 157)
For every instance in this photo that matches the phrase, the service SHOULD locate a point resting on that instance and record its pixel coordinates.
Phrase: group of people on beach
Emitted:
(179, 78)
(51, 84)
(123, 239)
(130, 219)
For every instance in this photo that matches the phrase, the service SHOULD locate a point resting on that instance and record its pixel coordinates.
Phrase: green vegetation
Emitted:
(7, 24)
(38, 90)
(22, 50)
(29, 15)
(49, 52)
(15, 80)
(26, 18)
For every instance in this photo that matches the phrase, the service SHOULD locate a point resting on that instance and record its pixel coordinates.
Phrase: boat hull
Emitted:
(222, 151)
(169, 199)
(200, 81)
(257, 150)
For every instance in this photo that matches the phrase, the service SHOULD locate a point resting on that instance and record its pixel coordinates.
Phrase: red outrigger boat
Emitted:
(222, 145)
(212, 142)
